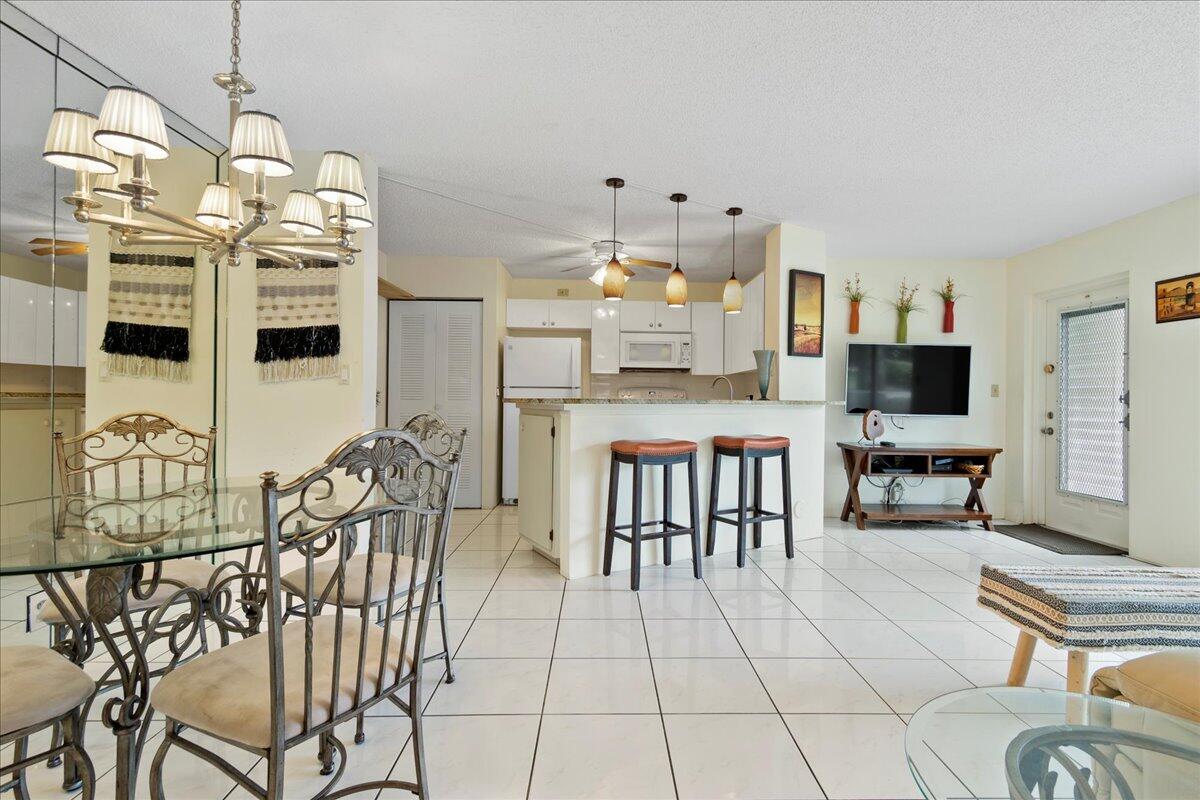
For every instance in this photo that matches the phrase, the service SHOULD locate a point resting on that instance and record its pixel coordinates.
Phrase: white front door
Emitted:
(435, 364)
(1085, 421)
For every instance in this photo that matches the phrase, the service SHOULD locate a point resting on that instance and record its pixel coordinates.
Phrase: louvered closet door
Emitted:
(458, 388)
(435, 364)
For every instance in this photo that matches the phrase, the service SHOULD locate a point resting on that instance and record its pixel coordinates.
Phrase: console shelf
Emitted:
(917, 461)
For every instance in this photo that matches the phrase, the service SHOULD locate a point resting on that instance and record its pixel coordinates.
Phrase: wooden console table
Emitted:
(916, 461)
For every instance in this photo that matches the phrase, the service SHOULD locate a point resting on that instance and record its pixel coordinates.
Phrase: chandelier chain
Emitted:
(235, 40)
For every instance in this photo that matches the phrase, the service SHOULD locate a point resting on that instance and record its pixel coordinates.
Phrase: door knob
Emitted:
(1048, 431)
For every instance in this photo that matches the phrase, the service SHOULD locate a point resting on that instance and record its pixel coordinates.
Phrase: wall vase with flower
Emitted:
(949, 293)
(857, 295)
(905, 303)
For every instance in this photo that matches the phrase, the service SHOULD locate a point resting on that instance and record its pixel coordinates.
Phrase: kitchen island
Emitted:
(564, 461)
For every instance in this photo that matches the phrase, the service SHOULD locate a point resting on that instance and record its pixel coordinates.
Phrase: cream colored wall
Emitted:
(291, 426)
(791, 247)
(180, 179)
(484, 279)
(37, 270)
(1164, 372)
(979, 321)
(545, 289)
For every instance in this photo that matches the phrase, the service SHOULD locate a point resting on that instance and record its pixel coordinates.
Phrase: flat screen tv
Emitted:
(931, 380)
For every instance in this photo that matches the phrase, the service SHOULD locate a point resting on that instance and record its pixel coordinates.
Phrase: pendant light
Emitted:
(676, 282)
(731, 298)
(614, 273)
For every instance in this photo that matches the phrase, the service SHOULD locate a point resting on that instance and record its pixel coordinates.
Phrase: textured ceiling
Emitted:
(900, 129)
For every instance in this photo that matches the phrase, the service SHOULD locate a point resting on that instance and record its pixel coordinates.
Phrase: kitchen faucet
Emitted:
(727, 381)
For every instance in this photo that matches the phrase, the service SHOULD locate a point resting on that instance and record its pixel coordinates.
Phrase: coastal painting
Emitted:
(806, 310)
(1175, 298)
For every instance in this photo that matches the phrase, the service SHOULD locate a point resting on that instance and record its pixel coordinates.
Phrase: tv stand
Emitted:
(917, 461)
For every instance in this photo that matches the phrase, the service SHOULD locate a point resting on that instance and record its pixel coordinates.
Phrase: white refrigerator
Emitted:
(533, 368)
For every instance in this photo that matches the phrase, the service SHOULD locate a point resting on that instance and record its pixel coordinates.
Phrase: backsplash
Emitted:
(698, 387)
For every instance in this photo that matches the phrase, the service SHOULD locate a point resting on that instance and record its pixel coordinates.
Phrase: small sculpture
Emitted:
(872, 425)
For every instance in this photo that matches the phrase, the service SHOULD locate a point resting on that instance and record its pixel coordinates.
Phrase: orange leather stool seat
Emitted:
(653, 447)
(753, 442)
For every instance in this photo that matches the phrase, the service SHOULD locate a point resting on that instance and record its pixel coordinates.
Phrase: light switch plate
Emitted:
(344, 375)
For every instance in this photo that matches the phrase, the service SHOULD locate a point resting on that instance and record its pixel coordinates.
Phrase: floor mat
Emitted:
(1063, 543)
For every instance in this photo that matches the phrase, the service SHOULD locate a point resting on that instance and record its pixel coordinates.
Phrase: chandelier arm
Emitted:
(148, 226)
(255, 222)
(297, 241)
(162, 239)
(304, 252)
(198, 227)
(275, 255)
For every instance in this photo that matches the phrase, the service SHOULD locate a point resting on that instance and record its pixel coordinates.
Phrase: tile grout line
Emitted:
(662, 720)
(537, 739)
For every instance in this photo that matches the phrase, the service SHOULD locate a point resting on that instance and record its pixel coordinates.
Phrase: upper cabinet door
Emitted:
(638, 316)
(528, 314)
(81, 361)
(672, 320)
(606, 337)
(43, 327)
(708, 339)
(572, 314)
(20, 320)
(66, 327)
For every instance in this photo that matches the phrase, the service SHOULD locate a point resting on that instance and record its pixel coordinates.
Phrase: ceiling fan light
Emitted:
(340, 180)
(597, 277)
(259, 145)
(131, 123)
(677, 294)
(731, 298)
(214, 206)
(614, 281)
(110, 185)
(302, 213)
(69, 143)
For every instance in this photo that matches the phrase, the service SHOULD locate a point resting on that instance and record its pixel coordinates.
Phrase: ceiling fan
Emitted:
(60, 247)
(603, 250)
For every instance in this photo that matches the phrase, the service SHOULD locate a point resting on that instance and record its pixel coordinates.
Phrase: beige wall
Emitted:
(979, 319)
(545, 289)
(37, 270)
(484, 279)
(1164, 371)
(791, 247)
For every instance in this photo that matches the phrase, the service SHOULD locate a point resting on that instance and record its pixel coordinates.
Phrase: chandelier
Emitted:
(110, 155)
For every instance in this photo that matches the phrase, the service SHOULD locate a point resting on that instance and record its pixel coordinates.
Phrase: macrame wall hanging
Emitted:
(149, 315)
(298, 323)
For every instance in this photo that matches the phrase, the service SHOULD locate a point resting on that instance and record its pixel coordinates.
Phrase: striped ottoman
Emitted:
(1083, 609)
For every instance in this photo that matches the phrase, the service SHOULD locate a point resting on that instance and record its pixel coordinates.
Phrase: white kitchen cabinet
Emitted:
(571, 314)
(557, 314)
(708, 339)
(639, 316)
(20, 321)
(81, 361)
(744, 331)
(606, 337)
(66, 327)
(43, 326)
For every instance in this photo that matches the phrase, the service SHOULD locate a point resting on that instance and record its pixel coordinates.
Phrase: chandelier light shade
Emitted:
(340, 180)
(131, 123)
(357, 217)
(731, 298)
(614, 280)
(110, 185)
(215, 204)
(302, 213)
(677, 294)
(259, 145)
(69, 143)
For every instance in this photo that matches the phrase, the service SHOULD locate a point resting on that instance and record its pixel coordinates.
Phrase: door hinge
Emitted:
(552, 534)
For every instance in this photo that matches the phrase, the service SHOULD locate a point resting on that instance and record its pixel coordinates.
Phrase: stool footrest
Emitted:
(647, 536)
(753, 515)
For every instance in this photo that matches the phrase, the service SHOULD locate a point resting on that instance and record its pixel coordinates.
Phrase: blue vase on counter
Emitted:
(764, 359)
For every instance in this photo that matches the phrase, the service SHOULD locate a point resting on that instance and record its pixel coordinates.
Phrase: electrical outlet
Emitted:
(564, 292)
(995, 390)
(344, 374)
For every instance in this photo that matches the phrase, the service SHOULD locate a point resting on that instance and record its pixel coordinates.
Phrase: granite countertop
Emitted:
(617, 401)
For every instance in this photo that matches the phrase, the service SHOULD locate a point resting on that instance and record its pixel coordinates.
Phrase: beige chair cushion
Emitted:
(1167, 681)
(226, 692)
(38, 685)
(356, 578)
(190, 572)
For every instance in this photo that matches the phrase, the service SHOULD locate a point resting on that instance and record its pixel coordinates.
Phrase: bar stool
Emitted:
(651, 453)
(750, 449)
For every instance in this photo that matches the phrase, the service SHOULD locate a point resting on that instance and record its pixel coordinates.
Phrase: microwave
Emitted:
(666, 351)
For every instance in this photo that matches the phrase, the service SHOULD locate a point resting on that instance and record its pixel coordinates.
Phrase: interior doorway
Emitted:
(1085, 415)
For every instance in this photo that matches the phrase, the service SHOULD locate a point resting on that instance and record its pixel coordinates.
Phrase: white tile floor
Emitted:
(780, 680)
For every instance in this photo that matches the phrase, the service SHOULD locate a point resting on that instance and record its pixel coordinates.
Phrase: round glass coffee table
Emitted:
(1014, 743)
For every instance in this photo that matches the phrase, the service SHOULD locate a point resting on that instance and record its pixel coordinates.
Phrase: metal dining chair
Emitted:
(292, 683)
(40, 688)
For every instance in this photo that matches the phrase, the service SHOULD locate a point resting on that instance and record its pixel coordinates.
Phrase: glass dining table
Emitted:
(122, 540)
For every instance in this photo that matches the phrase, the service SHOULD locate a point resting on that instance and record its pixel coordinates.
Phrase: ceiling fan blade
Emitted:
(642, 262)
(572, 269)
(42, 251)
(41, 240)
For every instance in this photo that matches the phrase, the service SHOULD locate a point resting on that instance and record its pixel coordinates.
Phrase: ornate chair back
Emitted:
(402, 493)
(140, 449)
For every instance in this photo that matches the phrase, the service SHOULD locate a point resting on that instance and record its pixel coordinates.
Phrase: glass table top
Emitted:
(1013, 742)
(75, 532)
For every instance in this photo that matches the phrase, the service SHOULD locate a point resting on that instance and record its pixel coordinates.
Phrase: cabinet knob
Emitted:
(543, 324)
(660, 324)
